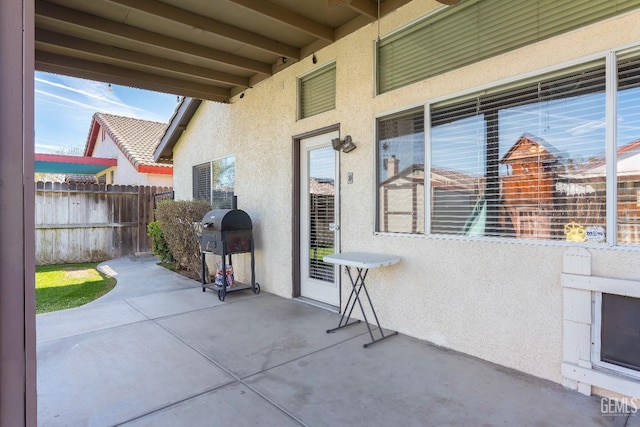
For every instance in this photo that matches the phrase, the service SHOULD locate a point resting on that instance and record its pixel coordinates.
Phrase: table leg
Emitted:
(356, 286)
(348, 309)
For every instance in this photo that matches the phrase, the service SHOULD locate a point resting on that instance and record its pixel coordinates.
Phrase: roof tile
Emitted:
(136, 138)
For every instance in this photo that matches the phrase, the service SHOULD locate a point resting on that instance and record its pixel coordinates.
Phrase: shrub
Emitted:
(160, 246)
(177, 218)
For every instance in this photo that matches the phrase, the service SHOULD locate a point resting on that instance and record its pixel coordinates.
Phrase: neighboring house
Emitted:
(132, 142)
(449, 90)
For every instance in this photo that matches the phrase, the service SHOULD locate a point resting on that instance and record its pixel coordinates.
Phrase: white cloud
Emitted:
(84, 92)
(87, 94)
(67, 100)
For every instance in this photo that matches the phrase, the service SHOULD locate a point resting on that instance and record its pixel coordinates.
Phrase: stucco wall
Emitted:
(497, 300)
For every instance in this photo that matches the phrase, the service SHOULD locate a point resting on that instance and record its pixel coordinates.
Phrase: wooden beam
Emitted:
(288, 17)
(46, 11)
(60, 64)
(389, 6)
(212, 26)
(18, 376)
(47, 39)
(363, 7)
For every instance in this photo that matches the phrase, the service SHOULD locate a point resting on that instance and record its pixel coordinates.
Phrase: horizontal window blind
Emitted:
(317, 91)
(202, 182)
(479, 29)
(522, 162)
(400, 173)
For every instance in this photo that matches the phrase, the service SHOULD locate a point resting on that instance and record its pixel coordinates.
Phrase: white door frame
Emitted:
(298, 239)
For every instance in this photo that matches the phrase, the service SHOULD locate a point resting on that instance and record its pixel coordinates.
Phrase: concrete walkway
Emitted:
(156, 351)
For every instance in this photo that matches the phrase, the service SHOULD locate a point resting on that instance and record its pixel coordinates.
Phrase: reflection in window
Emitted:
(520, 162)
(400, 173)
(222, 182)
(628, 151)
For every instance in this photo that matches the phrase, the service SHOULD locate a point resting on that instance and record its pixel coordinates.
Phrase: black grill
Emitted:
(226, 231)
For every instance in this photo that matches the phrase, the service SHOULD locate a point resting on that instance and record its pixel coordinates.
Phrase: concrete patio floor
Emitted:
(156, 351)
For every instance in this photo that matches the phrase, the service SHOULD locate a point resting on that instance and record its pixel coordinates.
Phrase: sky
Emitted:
(65, 105)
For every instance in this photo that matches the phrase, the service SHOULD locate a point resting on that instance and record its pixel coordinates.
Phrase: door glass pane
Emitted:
(321, 192)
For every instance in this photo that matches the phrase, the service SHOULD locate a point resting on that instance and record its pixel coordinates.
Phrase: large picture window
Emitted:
(214, 182)
(529, 161)
(400, 172)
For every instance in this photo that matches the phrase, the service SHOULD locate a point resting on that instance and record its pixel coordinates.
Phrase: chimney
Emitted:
(392, 166)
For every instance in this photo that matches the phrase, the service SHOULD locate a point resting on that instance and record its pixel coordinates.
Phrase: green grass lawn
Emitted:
(69, 285)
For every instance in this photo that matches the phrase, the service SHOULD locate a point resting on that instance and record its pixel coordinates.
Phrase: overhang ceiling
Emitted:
(208, 49)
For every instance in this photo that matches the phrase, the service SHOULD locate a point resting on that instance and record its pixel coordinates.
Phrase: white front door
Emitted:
(318, 218)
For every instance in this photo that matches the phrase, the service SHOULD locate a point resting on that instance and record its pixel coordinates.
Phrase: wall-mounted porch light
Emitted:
(346, 145)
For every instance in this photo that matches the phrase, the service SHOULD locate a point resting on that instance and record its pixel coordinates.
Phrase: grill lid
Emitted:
(227, 220)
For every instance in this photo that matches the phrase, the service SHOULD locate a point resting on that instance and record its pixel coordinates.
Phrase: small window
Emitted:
(214, 182)
(400, 173)
(317, 91)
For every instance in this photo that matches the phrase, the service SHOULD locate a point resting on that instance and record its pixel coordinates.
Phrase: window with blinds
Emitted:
(628, 151)
(317, 91)
(214, 182)
(524, 161)
(474, 30)
(400, 173)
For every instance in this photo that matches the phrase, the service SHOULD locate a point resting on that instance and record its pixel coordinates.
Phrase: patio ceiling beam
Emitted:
(212, 26)
(288, 17)
(363, 7)
(54, 63)
(51, 41)
(48, 12)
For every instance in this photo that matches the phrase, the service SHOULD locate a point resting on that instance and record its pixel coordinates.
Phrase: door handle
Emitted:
(334, 227)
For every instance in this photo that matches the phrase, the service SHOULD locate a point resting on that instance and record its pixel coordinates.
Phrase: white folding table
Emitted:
(362, 261)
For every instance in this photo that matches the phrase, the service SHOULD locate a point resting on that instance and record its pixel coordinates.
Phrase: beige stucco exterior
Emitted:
(501, 301)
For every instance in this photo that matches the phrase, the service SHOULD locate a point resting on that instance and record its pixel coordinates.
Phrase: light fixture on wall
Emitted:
(314, 59)
(346, 145)
(110, 88)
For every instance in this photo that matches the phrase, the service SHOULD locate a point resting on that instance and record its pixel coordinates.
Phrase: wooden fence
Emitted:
(90, 222)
